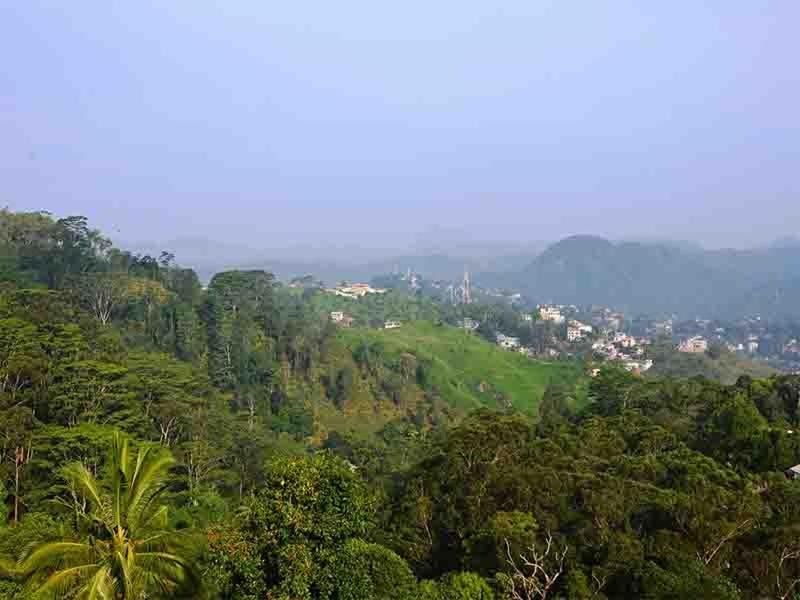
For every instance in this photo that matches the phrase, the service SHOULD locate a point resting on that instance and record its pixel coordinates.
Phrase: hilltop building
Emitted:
(694, 345)
(355, 290)
(578, 331)
(342, 319)
(551, 313)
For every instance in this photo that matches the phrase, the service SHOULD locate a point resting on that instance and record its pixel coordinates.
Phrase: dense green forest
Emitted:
(162, 440)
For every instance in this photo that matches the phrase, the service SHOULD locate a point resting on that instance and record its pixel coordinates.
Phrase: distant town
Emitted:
(597, 333)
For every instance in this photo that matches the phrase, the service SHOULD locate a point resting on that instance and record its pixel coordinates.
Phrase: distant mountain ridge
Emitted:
(436, 259)
(658, 278)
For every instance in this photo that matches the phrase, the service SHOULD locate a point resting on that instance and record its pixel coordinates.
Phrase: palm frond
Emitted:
(60, 583)
(84, 481)
(101, 586)
(147, 483)
(56, 555)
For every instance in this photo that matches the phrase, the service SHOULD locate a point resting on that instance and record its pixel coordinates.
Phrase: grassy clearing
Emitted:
(468, 372)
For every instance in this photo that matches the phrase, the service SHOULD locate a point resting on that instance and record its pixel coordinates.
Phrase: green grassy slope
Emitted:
(468, 372)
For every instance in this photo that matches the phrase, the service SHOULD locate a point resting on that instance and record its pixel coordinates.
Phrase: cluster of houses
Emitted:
(355, 290)
(625, 349)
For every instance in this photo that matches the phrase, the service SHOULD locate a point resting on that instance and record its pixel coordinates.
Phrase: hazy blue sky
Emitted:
(275, 122)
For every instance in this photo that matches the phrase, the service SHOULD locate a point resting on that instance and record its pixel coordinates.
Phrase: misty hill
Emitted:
(657, 278)
(435, 258)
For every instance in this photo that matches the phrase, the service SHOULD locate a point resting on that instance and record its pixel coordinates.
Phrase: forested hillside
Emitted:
(654, 279)
(161, 440)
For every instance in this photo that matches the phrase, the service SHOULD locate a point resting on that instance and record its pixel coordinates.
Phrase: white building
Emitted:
(574, 334)
(694, 345)
(583, 327)
(355, 290)
(337, 316)
(508, 342)
(392, 324)
(551, 313)
(470, 324)
(577, 331)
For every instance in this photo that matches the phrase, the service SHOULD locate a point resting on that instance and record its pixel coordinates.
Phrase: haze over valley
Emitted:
(399, 301)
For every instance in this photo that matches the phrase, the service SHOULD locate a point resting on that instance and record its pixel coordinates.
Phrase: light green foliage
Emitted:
(363, 570)
(317, 500)
(457, 586)
(464, 370)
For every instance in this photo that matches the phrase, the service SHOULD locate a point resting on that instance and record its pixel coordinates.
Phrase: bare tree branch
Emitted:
(709, 554)
(537, 571)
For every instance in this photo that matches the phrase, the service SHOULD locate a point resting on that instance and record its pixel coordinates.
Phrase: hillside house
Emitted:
(574, 334)
(694, 345)
(337, 316)
(624, 340)
(355, 290)
(577, 331)
(507, 342)
(551, 313)
(470, 324)
(392, 324)
(581, 326)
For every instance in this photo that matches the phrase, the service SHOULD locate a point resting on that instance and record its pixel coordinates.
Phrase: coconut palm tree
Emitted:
(127, 550)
